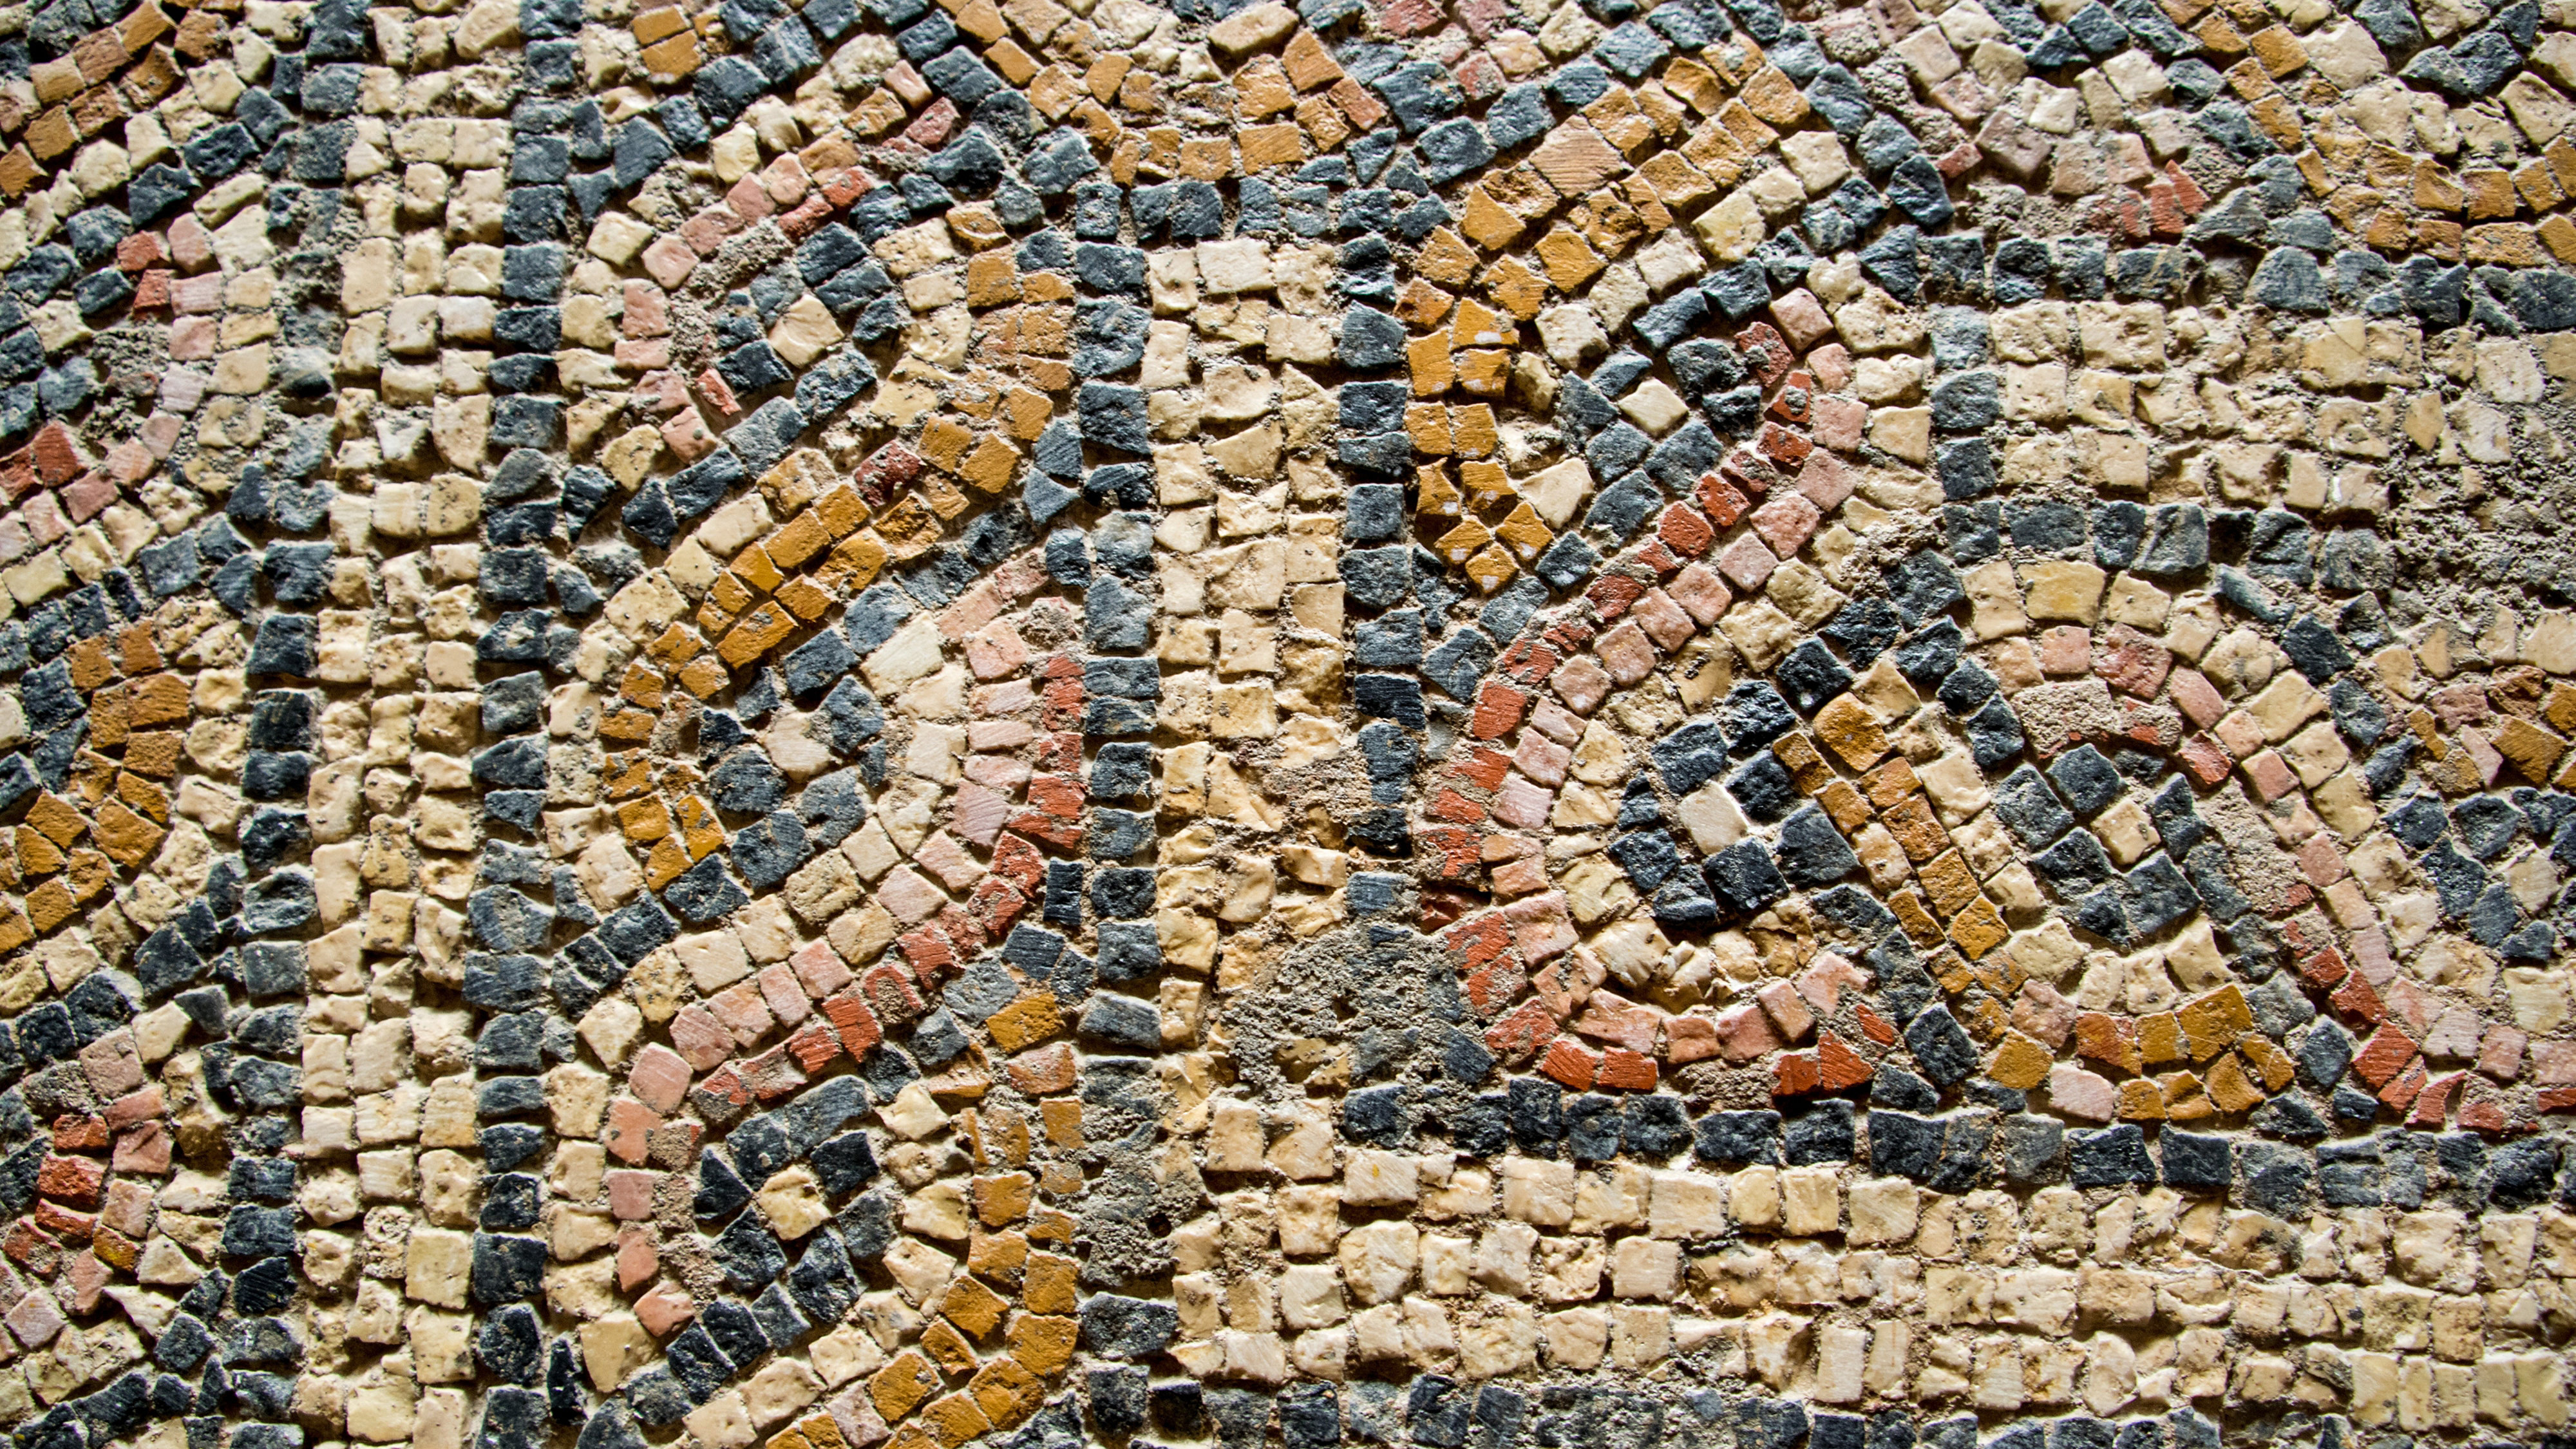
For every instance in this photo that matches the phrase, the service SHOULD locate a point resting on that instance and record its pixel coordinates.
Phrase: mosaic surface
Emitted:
(925, 722)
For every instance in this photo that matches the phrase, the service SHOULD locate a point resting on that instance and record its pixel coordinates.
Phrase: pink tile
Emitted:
(198, 295)
(1626, 653)
(133, 1107)
(2269, 776)
(1541, 758)
(2085, 1096)
(2241, 733)
(161, 430)
(979, 812)
(1825, 481)
(1826, 978)
(783, 994)
(1522, 803)
(974, 609)
(718, 393)
(2553, 1063)
(145, 1151)
(2198, 700)
(2482, 755)
(1018, 577)
(1790, 1015)
(686, 434)
(1802, 319)
(1009, 697)
(740, 1009)
(999, 734)
(85, 1278)
(785, 180)
(2066, 649)
(1663, 619)
(2455, 1034)
(659, 1078)
(129, 462)
(1744, 1033)
(2133, 662)
(638, 1259)
(910, 897)
(1838, 422)
(1581, 683)
(112, 1063)
(1482, 18)
(820, 969)
(34, 1320)
(45, 521)
(1550, 719)
(648, 311)
(2500, 1054)
(128, 1208)
(2043, 1015)
(949, 862)
(1702, 593)
(1519, 877)
(665, 1308)
(2411, 1005)
(2321, 862)
(1746, 563)
(1786, 523)
(1690, 1039)
(85, 495)
(930, 128)
(707, 230)
(1964, 96)
(191, 245)
(662, 392)
(670, 260)
(749, 200)
(192, 339)
(629, 1134)
(1606, 1018)
(907, 83)
(2461, 704)
(645, 354)
(1541, 927)
(996, 650)
(1832, 366)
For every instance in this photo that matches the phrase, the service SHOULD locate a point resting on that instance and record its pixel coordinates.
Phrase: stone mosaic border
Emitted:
(931, 722)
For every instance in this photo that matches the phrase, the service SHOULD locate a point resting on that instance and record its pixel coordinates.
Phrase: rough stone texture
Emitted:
(1370, 722)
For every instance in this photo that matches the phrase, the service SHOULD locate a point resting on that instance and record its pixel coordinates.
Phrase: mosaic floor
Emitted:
(1063, 723)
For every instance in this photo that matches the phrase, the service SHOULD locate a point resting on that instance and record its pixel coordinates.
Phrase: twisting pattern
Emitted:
(1468, 724)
